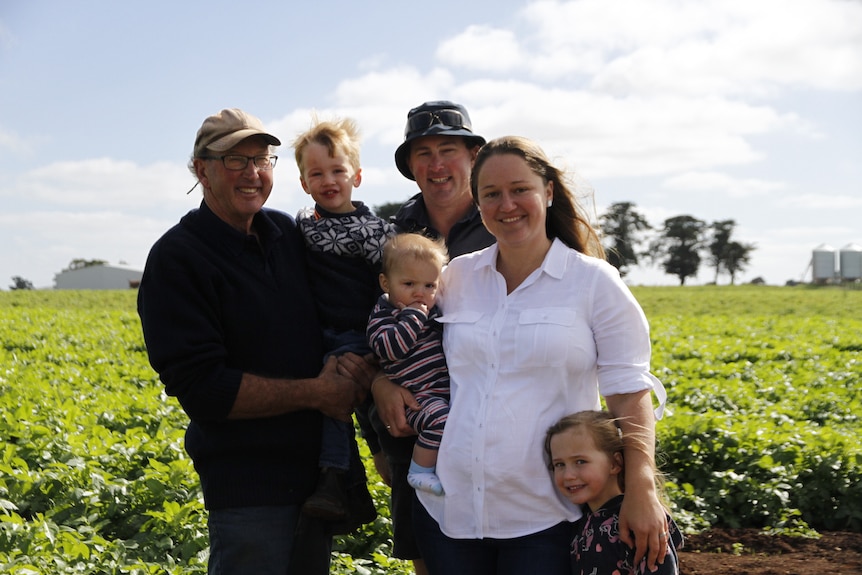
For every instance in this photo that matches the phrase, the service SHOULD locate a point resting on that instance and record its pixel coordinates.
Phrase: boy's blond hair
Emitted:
(339, 134)
(414, 246)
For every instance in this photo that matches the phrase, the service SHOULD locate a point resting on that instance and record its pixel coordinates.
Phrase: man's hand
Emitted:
(360, 369)
(391, 399)
(338, 394)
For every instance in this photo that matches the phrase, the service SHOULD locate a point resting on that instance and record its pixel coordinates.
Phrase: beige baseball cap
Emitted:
(226, 129)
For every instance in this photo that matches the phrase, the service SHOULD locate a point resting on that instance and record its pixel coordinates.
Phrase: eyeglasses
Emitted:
(236, 163)
(424, 120)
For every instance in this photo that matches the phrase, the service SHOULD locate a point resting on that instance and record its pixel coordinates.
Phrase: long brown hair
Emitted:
(564, 219)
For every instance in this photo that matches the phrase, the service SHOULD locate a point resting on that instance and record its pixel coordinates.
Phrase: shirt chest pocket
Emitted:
(462, 338)
(544, 337)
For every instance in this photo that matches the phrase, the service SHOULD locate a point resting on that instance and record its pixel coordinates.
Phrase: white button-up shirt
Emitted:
(518, 363)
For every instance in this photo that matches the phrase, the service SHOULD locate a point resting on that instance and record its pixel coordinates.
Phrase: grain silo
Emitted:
(851, 262)
(823, 263)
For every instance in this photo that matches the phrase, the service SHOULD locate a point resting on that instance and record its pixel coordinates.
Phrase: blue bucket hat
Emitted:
(439, 118)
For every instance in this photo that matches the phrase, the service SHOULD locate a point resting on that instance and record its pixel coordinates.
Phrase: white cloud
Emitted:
(402, 84)
(825, 202)
(710, 47)
(104, 183)
(615, 137)
(63, 236)
(493, 50)
(371, 98)
(12, 142)
(719, 183)
(648, 101)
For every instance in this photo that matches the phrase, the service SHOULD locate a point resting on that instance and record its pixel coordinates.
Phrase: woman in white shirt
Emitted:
(536, 327)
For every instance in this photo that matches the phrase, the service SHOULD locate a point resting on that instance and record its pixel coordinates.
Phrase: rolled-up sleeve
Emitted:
(622, 336)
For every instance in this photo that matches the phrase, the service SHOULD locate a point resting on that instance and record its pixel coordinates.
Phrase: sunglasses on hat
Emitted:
(424, 120)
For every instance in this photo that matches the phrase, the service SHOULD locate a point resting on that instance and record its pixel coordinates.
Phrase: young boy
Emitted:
(345, 241)
(405, 336)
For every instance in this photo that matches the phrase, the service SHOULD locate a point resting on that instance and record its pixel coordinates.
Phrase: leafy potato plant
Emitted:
(93, 474)
(764, 387)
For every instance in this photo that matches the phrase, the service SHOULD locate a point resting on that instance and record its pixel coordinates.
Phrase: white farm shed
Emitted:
(98, 277)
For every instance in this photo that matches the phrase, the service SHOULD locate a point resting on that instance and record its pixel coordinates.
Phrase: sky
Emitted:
(717, 109)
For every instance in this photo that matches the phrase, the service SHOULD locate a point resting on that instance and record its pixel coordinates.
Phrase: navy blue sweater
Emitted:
(215, 303)
(344, 252)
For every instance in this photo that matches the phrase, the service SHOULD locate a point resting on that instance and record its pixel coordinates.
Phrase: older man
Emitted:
(229, 323)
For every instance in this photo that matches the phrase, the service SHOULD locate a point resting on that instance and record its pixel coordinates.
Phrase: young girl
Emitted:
(585, 451)
(404, 334)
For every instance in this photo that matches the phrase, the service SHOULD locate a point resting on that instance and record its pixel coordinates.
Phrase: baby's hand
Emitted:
(420, 306)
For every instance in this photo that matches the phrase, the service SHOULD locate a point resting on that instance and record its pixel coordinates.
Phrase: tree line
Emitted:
(679, 245)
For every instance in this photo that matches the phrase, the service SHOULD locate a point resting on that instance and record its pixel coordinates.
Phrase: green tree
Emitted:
(621, 224)
(387, 210)
(736, 258)
(678, 246)
(731, 256)
(720, 239)
(79, 263)
(20, 283)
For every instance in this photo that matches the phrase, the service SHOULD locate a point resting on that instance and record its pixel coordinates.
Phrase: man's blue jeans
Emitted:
(261, 540)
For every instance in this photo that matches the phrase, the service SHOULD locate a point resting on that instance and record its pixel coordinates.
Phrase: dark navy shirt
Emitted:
(467, 235)
(597, 548)
(216, 303)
